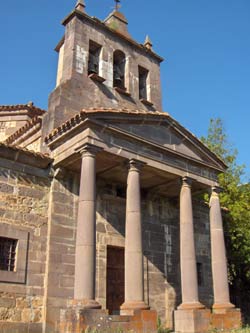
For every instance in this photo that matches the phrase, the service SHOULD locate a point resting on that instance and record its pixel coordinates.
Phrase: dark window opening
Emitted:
(108, 189)
(121, 192)
(143, 77)
(200, 274)
(94, 58)
(7, 254)
(119, 70)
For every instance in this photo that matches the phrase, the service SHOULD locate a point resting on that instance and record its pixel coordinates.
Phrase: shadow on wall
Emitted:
(160, 233)
(160, 244)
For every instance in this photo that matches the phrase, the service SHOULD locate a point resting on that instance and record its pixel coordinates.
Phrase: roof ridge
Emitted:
(29, 106)
(42, 155)
(98, 110)
(23, 129)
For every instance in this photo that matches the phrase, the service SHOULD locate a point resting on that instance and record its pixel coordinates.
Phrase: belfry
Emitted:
(101, 227)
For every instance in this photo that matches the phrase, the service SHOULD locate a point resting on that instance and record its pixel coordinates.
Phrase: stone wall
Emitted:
(61, 246)
(24, 211)
(161, 249)
(35, 145)
(28, 204)
(160, 242)
(7, 128)
(203, 251)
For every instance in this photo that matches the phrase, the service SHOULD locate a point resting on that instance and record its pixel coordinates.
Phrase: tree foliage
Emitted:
(236, 200)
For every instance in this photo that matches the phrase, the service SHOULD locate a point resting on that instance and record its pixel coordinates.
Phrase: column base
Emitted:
(203, 320)
(226, 319)
(192, 320)
(221, 306)
(191, 306)
(85, 304)
(128, 308)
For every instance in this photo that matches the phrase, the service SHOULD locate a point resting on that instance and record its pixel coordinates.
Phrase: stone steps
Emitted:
(99, 321)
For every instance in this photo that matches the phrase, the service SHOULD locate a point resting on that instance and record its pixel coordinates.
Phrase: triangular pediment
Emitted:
(162, 135)
(163, 132)
(152, 131)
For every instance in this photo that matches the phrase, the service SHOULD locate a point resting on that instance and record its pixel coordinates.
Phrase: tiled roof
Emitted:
(26, 151)
(33, 122)
(107, 111)
(30, 107)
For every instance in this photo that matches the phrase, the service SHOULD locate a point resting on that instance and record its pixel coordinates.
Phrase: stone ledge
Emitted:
(20, 327)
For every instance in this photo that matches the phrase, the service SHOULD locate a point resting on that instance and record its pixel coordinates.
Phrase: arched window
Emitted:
(119, 63)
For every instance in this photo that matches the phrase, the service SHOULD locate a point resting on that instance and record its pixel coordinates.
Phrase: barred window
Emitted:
(8, 248)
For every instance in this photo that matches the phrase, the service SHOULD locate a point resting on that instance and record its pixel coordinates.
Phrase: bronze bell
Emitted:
(118, 78)
(93, 64)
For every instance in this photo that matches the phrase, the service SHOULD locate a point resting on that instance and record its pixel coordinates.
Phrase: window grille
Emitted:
(8, 248)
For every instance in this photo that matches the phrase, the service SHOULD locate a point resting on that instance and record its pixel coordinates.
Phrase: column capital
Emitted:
(186, 181)
(135, 165)
(216, 189)
(88, 149)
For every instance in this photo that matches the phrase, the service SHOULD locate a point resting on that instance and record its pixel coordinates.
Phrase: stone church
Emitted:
(101, 221)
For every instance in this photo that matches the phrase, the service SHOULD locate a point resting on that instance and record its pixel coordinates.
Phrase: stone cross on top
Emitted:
(117, 4)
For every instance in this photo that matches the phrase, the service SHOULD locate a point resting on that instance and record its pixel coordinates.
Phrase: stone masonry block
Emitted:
(192, 321)
(7, 302)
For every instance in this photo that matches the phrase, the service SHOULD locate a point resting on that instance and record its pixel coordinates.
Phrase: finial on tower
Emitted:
(148, 44)
(117, 4)
(80, 5)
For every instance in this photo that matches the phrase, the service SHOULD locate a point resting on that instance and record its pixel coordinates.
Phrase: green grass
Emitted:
(241, 330)
(160, 328)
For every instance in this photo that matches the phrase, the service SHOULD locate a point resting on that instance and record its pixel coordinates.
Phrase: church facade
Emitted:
(100, 197)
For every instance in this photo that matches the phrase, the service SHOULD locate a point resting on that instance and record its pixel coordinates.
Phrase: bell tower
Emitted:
(101, 65)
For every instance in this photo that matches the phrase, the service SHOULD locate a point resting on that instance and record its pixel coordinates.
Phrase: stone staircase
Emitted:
(99, 321)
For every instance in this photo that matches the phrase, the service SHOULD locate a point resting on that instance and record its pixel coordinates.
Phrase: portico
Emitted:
(141, 167)
(134, 283)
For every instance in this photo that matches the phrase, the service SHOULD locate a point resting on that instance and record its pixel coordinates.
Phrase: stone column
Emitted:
(85, 260)
(134, 276)
(218, 254)
(189, 283)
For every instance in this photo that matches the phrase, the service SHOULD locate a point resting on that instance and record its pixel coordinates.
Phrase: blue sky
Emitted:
(205, 43)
